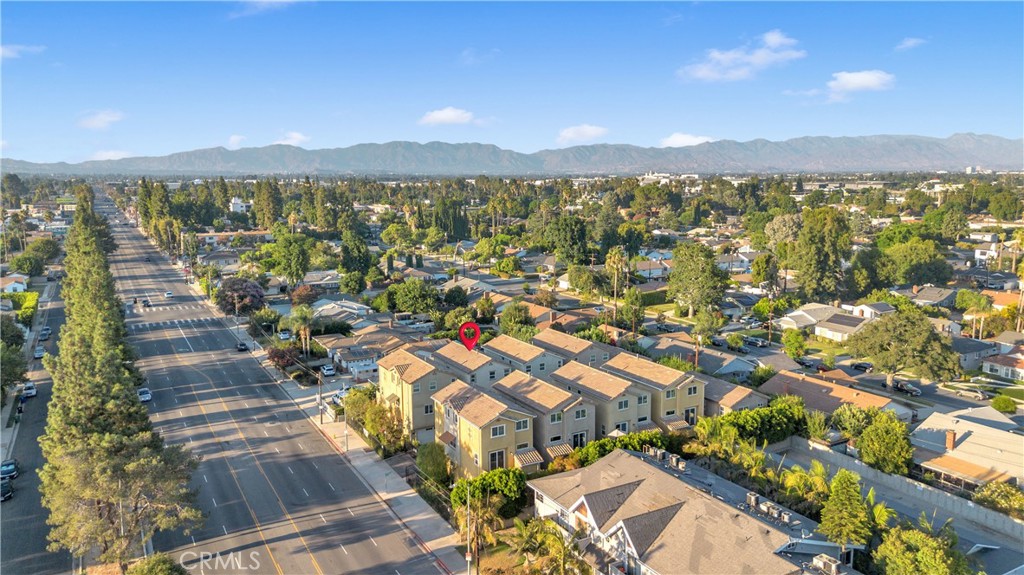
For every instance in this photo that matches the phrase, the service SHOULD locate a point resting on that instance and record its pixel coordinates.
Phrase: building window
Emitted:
(558, 363)
(555, 439)
(447, 412)
(581, 414)
(603, 430)
(670, 412)
(623, 404)
(497, 459)
(622, 426)
(529, 368)
(522, 446)
(670, 394)
(432, 386)
(492, 375)
(641, 399)
(542, 367)
(507, 371)
(641, 419)
(415, 388)
(522, 425)
(472, 378)
(692, 390)
(579, 439)
(498, 431)
(476, 460)
(556, 417)
(690, 415)
(605, 356)
(428, 409)
(593, 357)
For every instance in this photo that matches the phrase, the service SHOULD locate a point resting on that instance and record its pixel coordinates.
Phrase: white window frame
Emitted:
(428, 409)
(692, 390)
(623, 404)
(622, 426)
(498, 431)
(642, 399)
(525, 426)
(670, 394)
(556, 418)
(490, 459)
(416, 387)
(432, 386)
(581, 413)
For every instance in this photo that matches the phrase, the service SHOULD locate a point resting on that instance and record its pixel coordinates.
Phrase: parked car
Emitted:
(10, 469)
(145, 303)
(39, 352)
(338, 397)
(148, 259)
(756, 324)
(821, 367)
(145, 396)
(718, 341)
(242, 346)
(905, 387)
(863, 366)
(755, 341)
(284, 335)
(743, 349)
(29, 390)
(168, 294)
(804, 362)
(6, 489)
(328, 370)
(44, 334)
(972, 393)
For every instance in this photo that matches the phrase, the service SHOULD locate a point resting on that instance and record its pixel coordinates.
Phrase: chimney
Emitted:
(950, 439)
(391, 323)
(915, 289)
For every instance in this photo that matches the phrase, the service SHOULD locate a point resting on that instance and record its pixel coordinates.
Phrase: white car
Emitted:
(328, 370)
(145, 396)
(284, 335)
(29, 390)
(338, 397)
(168, 294)
(39, 352)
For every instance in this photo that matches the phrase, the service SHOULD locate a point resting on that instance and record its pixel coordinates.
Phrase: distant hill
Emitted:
(807, 154)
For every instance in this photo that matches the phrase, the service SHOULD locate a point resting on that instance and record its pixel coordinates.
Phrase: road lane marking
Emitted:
(277, 450)
(350, 511)
(322, 518)
(245, 404)
(372, 541)
(193, 540)
(186, 340)
(290, 469)
(225, 529)
(265, 433)
(215, 502)
(343, 548)
(180, 413)
(315, 465)
(205, 479)
(331, 486)
(306, 492)
(300, 445)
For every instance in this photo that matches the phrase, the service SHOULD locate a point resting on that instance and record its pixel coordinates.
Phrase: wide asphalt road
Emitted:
(277, 497)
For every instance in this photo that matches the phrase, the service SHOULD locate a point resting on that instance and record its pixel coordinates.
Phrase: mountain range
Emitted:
(817, 154)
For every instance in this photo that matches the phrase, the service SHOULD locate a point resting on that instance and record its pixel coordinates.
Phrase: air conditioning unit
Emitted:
(787, 516)
(752, 499)
(673, 460)
(826, 564)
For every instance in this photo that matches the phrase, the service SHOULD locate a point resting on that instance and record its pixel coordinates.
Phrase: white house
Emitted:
(239, 206)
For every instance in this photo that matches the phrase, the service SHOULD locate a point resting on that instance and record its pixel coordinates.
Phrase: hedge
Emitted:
(654, 297)
(25, 304)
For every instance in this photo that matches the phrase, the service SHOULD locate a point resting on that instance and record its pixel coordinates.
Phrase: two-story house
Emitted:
(676, 399)
(616, 400)
(530, 359)
(563, 420)
(481, 432)
(473, 367)
(406, 382)
(572, 348)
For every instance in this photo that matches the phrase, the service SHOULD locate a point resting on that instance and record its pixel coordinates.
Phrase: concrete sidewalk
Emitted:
(433, 534)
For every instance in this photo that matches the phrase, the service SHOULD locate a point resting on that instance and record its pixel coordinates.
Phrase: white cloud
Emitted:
(16, 50)
(100, 120)
(844, 83)
(908, 43)
(447, 115)
(110, 155)
(255, 7)
(293, 139)
(743, 62)
(581, 133)
(681, 140)
(235, 141)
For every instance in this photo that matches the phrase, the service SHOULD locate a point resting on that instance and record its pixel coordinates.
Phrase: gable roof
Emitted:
(842, 323)
(1001, 299)
(472, 404)
(645, 371)
(604, 385)
(409, 367)
(725, 393)
(534, 393)
(994, 453)
(560, 343)
(511, 347)
(820, 394)
(458, 356)
(964, 345)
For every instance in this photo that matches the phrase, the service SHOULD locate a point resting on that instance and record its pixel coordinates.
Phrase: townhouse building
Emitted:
(562, 420)
(572, 348)
(481, 432)
(473, 367)
(676, 399)
(406, 382)
(616, 400)
(525, 357)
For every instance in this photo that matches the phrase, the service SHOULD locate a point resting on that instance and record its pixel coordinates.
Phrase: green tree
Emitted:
(355, 256)
(28, 264)
(546, 298)
(794, 343)
(696, 282)
(677, 363)
(1004, 404)
(823, 245)
(954, 224)
(478, 522)
(456, 297)
(305, 295)
(885, 444)
(45, 248)
(415, 296)
(915, 262)
(485, 309)
(157, 564)
(905, 340)
(633, 309)
(385, 424)
(239, 296)
(761, 374)
(292, 254)
(705, 326)
(851, 420)
(301, 320)
(1003, 497)
(562, 555)
(527, 539)
(14, 369)
(908, 551)
(432, 461)
(844, 518)
(354, 283)
(515, 315)
(615, 263)
(568, 234)
(734, 340)
(10, 333)
(764, 269)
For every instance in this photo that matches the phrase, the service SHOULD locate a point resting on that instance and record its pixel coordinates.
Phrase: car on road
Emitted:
(6, 489)
(44, 334)
(148, 259)
(755, 341)
(821, 367)
(10, 469)
(242, 346)
(905, 387)
(328, 370)
(863, 366)
(39, 352)
(145, 396)
(743, 349)
(168, 294)
(29, 390)
(804, 362)
(338, 397)
(718, 341)
(284, 335)
(972, 394)
(145, 303)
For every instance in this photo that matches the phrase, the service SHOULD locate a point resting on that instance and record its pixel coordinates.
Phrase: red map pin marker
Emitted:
(469, 333)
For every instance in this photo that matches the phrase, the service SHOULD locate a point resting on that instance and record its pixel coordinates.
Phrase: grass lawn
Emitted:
(1014, 392)
(824, 347)
(497, 559)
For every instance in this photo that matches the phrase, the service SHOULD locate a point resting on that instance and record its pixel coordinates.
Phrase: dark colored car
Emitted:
(821, 367)
(6, 489)
(743, 349)
(863, 366)
(904, 387)
(147, 259)
(145, 303)
(718, 341)
(10, 469)
(804, 362)
(241, 346)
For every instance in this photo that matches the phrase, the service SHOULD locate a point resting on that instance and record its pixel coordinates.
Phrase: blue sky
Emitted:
(105, 80)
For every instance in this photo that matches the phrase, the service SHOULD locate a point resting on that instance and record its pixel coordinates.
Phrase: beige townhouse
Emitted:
(677, 399)
(572, 348)
(562, 421)
(473, 367)
(614, 398)
(406, 382)
(523, 356)
(481, 432)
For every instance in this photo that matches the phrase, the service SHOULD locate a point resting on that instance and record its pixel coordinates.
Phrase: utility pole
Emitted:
(320, 398)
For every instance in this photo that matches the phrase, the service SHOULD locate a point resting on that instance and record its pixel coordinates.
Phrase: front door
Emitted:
(497, 459)
(579, 439)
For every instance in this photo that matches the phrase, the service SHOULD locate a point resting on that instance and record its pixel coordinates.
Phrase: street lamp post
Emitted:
(320, 395)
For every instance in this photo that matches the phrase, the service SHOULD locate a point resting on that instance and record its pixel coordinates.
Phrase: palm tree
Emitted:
(478, 522)
(615, 262)
(527, 540)
(562, 555)
(301, 321)
(879, 513)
